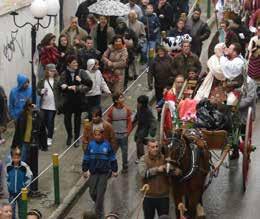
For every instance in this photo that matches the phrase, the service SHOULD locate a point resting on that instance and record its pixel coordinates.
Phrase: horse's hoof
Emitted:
(200, 212)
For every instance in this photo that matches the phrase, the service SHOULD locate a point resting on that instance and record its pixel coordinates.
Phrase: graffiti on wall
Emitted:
(12, 45)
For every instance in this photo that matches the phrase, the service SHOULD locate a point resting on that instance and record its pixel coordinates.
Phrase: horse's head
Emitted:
(175, 152)
(183, 153)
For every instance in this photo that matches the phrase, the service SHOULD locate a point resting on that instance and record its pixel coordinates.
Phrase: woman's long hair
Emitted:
(47, 39)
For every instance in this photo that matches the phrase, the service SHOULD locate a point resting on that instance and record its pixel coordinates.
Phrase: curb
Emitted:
(80, 187)
(82, 184)
(72, 197)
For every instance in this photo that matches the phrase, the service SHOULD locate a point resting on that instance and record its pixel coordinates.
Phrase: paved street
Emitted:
(224, 198)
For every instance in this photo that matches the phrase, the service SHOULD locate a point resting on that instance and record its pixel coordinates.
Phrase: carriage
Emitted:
(221, 140)
(215, 143)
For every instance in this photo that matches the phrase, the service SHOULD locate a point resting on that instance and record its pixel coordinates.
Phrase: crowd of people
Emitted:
(98, 55)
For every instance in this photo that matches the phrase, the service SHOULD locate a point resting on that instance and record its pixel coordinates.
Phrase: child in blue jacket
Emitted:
(98, 163)
(18, 175)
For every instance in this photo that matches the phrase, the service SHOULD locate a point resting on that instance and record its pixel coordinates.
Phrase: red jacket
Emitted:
(49, 55)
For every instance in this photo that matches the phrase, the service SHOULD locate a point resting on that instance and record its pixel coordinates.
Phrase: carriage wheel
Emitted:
(247, 147)
(166, 123)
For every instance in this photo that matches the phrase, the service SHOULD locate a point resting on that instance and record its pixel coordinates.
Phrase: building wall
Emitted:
(15, 49)
(15, 54)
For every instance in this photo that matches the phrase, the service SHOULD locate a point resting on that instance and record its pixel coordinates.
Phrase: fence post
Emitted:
(24, 203)
(56, 179)
(208, 8)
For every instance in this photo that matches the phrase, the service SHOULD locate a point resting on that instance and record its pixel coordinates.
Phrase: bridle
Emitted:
(180, 143)
(177, 144)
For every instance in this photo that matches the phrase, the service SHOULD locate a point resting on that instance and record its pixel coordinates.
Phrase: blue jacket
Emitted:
(99, 158)
(17, 177)
(152, 26)
(19, 96)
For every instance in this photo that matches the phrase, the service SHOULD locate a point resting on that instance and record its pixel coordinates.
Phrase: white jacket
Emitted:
(99, 84)
(232, 68)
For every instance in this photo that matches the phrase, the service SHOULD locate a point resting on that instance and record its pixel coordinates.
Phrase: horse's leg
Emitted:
(196, 209)
(194, 198)
(177, 196)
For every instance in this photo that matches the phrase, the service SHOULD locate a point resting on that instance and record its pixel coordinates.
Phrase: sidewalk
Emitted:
(70, 164)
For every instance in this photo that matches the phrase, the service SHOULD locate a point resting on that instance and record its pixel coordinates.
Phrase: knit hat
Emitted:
(91, 64)
(50, 67)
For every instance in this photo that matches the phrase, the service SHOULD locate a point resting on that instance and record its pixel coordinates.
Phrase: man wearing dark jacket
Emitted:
(88, 52)
(165, 13)
(30, 135)
(146, 124)
(162, 71)
(199, 31)
(242, 32)
(186, 60)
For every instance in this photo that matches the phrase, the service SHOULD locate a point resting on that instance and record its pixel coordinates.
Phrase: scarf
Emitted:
(101, 39)
(71, 73)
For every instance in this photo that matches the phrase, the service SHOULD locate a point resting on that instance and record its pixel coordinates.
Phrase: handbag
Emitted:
(110, 77)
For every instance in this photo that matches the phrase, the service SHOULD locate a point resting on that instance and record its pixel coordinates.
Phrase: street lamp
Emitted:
(39, 9)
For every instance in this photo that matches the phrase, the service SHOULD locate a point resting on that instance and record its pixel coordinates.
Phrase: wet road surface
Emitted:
(224, 199)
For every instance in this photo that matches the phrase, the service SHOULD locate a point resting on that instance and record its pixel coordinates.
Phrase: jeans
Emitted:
(146, 48)
(93, 101)
(97, 190)
(49, 118)
(18, 202)
(123, 144)
(68, 124)
(150, 205)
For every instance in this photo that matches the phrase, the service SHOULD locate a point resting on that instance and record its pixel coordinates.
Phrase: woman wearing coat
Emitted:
(73, 86)
(115, 61)
(102, 34)
(48, 53)
(65, 50)
(47, 90)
